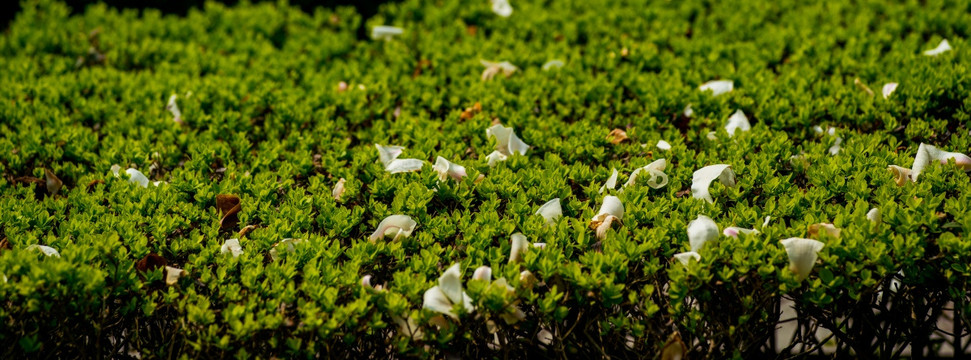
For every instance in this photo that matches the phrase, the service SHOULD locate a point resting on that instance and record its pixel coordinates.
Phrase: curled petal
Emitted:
(550, 211)
(942, 47)
(611, 181)
(527, 279)
(408, 327)
(718, 87)
(446, 169)
(617, 136)
(701, 230)
(451, 284)
(901, 176)
(386, 33)
(366, 281)
(929, 153)
(493, 68)
(545, 337)
(611, 207)
(733, 231)
(663, 145)
(47, 250)
(404, 165)
(823, 228)
(702, 178)
(888, 89)
(338, 189)
(173, 108)
(137, 177)
(874, 215)
(553, 64)
(540, 246)
(688, 111)
(519, 246)
(501, 8)
(395, 225)
(507, 142)
(802, 255)
(288, 245)
(655, 170)
(738, 121)
(605, 225)
(685, 257)
(482, 273)
(436, 300)
(495, 157)
(172, 275)
(388, 153)
(231, 246)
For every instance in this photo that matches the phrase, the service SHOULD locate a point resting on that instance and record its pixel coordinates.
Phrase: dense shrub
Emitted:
(266, 118)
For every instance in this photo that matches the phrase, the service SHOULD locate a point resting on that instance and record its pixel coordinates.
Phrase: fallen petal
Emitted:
(173, 108)
(685, 257)
(436, 300)
(388, 153)
(901, 176)
(137, 177)
(823, 228)
(718, 87)
(519, 246)
(928, 153)
(395, 225)
(655, 170)
(733, 231)
(172, 275)
(404, 165)
(802, 255)
(501, 8)
(495, 157)
(617, 136)
(287, 246)
(47, 250)
(688, 111)
(551, 211)
(507, 142)
(338, 189)
(231, 246)
(702, 178)
(663, 145)
(553, 64)
(611, 181)
(386, 33)
(482, 273)
(738, 121)
(700, 231)
(874, 215)
(888, 89)
(941, 48)
(446, 169)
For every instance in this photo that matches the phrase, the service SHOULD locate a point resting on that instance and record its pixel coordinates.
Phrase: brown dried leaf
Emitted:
(617, 136)
(150, 262)
(229, 205)
(246, 230)
(674, 348)
(53, 183)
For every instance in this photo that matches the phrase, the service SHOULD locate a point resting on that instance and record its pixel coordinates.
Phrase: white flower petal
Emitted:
(482, 273)
(874, 215)
(172, 275)
(688, 111)
(901, 175)
(888, 89)
(553, 64)
(338, 189)
(507, 142)
(802, 255)
(287, 246)
(47, 250)
(941, 48)
(766, 222)
(388, 153)
(493, 68)
(611, 181)
(611, 207)
(519, 246)
(446, 169)
(451, 283)
(738, 121)
(436, 300)
(173, 108)
(386, 33)
(718, 87)
(137, 177)
(231, 246)
(501, 8)
(929, 153)
(540, 246)
(655, 170)
(495, 157)
(545, 337)
(408, 327)
(663, 145)
(395, 225)
(685, 257)
(702, 178)
(366, 281)
(824, 228)
(700, 231)
(551, 211)
(404, 165)
(733, 231)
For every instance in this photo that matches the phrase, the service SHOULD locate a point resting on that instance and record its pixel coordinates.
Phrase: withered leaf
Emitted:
(53, 183)
(617, 136)
(150, 262)
(229, 205)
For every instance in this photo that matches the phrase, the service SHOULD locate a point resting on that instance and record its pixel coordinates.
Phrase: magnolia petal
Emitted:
(451, 284)
(493, 68)
(802, 255)
(47, 250)
(388, 153)
(482, 273)
(611, 207)
(874, 215)
(173, 108)
(688, 111)
(540, 246)
(888, 89)
(446, 169)
(733, 231)
(655, 170)
(495, 157)
(942, 47)
(928, 153)
(702, 178)
(514, 316)
(436, 300)
(835, 149)
(501, 8)
(366, 281)
(551, 211)
(287, 246)
(611, 181)
(507, 142)
(408, 327)
(545, 337)
(685, 257)
(386, 33)
(519, 246)
(172, 275)
(901, 176)
(701, 230)
(404, 165)
(231, 246)
(824, 228)
(527, 279)
(738, 121)
(395, 225)
(553, 64)
(663, 145)
(718, 87)
(766, 222)
(137, 177)
(338, 189)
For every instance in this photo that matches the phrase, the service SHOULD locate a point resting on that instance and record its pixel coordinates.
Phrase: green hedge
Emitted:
(265, 118)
